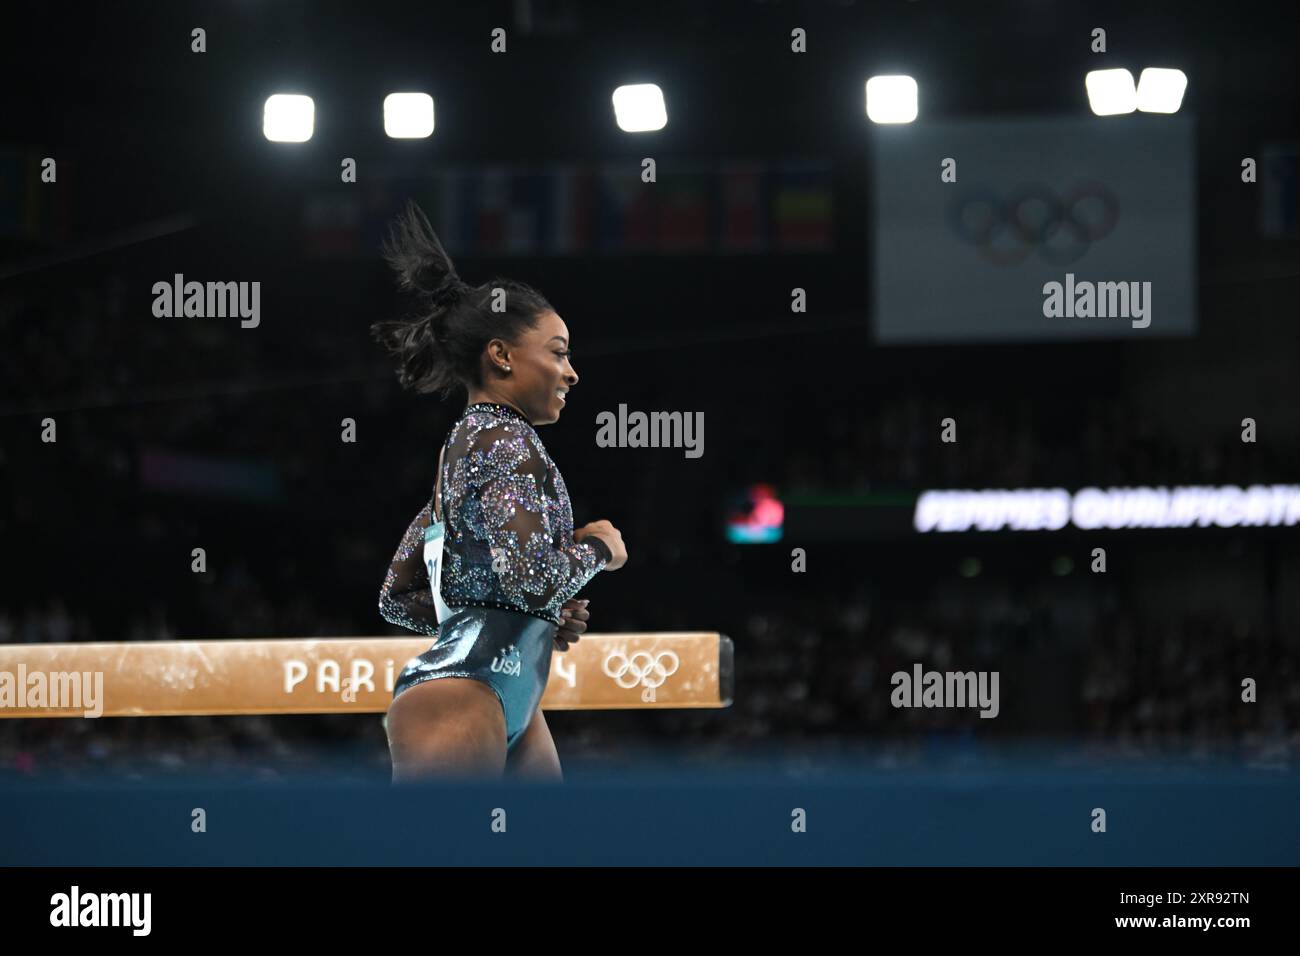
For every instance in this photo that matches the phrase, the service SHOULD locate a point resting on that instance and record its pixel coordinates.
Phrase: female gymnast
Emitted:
(492, 565)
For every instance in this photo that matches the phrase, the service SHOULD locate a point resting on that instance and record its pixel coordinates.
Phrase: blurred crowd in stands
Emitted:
(82, 532)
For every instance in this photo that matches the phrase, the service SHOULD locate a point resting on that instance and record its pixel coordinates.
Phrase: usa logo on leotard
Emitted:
(642, 668)
(507, 662)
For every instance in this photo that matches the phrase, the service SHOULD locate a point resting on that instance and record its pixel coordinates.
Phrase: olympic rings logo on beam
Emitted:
(642, 668)
(1033, 217)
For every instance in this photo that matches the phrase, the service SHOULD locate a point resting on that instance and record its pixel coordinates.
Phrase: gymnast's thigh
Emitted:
(445, 714)
(534, 755)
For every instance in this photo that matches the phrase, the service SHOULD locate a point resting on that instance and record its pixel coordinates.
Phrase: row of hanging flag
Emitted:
(726, 208)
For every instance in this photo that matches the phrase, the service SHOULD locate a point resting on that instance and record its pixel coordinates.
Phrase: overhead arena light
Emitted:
(891, 99)
(1160, 90)
(1111, 92)
(639, 108)
(408, 115)
(288, 118)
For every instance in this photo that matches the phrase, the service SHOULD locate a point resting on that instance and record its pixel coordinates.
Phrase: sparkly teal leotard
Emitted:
(509, 564)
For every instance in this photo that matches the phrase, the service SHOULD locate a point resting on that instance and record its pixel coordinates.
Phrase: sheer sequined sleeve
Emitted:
(405, 598)
(505, 472)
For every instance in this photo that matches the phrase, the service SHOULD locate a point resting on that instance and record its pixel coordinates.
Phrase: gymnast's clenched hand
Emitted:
(612, 538)
(574, 616)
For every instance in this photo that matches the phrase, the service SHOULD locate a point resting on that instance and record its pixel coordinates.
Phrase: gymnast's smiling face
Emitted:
(541, 372)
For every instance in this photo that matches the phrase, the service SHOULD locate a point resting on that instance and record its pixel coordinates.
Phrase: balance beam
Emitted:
(340, 675)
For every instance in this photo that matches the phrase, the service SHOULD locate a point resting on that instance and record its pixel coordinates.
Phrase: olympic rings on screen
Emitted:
(1033, 218)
